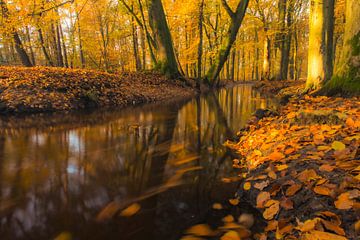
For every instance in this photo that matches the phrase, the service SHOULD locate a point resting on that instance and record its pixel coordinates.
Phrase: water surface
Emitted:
(169, 158)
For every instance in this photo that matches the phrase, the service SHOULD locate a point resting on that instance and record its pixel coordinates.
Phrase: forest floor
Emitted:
(42, 89)
(299, 170)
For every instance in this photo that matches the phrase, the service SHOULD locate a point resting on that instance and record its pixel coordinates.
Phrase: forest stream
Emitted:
(65, 179)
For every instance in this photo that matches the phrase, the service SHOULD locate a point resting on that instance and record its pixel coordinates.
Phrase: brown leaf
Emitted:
(333, 227)
(272, 225)
(309, 225)
(262, 185)
(293, 189)
(262, 198)
(327, 168)
(287, 204)
(308, 175)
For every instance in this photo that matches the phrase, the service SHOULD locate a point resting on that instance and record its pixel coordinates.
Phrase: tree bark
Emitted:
(347, 77)
(318, 71)
(166, 61)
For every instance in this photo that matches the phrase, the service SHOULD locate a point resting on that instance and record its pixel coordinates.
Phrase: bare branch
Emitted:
(227, 8)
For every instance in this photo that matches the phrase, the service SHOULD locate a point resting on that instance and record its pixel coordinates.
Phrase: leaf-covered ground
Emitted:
(299, 168)
(41, 89)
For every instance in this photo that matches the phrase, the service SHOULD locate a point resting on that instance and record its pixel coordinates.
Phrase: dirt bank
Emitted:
(42, 89)
(300, 169)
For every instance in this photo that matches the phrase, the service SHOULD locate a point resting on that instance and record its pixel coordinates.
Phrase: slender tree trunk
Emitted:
(136, 47)
(200, 46)
(43, 47)
(267, 58)
(32, 54)
(66, 63)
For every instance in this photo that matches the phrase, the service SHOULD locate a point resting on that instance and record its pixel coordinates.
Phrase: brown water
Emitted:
(57, 177)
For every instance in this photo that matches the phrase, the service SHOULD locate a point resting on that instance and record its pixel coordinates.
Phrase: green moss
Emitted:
(355, 44)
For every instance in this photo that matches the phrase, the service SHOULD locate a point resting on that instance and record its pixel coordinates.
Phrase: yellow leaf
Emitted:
(281, 167)
(247, 186)
(131, 210)
(338, 146)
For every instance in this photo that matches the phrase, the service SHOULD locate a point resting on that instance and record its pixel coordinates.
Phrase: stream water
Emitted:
(59, 174)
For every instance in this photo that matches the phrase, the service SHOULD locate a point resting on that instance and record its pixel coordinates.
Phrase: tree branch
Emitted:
(131, 11)
(51, 8)
(227, 8)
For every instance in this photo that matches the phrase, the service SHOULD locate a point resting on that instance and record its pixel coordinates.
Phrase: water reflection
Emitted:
(58, 178)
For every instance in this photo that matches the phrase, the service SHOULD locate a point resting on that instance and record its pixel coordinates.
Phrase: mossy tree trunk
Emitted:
(166, 59)
(224, 51)
(321, 22)
(347, 77)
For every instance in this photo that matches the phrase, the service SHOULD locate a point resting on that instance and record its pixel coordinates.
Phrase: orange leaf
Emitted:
(322, 190)
(261, 185)
(344, 201)
(318, 235)
(131, 210)
(273, 208)
(276, 156)
(200, 230)
(293, 189)
(327, 168)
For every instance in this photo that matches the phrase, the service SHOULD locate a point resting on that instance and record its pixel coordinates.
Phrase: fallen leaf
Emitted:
(131, 210)
(318, 235)
(201, 230)
(276, 156)
(344, 201)
(308, 175)
(230, 235)
(281, 167)
(338, 146)
(247, 186)
(63, 236)
(309, 225)
(262, 185)
(273, 207)
(333, 227)
(326, 168)
(228, 218)
(272, 225)
(262, 198)
(322, 190)
(234, 201)
(293, 189)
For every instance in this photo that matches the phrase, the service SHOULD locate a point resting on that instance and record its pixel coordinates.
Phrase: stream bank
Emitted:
(43, 89)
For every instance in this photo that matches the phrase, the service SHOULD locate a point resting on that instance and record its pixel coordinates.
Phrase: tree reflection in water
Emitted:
(58, 178)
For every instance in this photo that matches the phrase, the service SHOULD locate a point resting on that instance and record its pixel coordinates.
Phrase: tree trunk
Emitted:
(236, 20)
(347, 78)
(43, 48)
(267, 58)
(200, 46)
(318, 44)
(136, 47)
(166, 61)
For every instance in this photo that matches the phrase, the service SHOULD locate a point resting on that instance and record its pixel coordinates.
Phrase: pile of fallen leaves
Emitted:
(43, 89)
(301, 169)
(281, 88)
